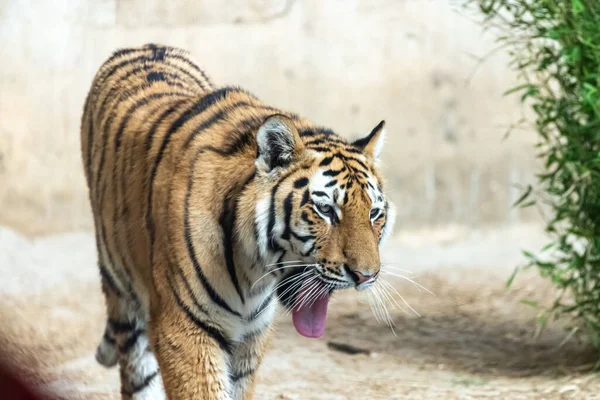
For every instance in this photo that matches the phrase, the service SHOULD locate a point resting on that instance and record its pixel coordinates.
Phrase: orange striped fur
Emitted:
(208, 205)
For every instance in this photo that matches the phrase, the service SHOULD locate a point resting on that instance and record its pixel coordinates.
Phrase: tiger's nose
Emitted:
(361, 277)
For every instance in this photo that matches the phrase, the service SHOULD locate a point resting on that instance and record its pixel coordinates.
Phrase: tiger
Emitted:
(212, 211)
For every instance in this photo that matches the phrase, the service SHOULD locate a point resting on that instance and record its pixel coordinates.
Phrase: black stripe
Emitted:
(330, 184)
(221, 115)
(353, 150)
(314, 131)
(309, 251)
(120, 326)
(131, 340)
(306, 132)
(287, 209)
(191, 293)
(108, 338)
(224, 343)
(158, 52)
(305, 198)
(141, 386)
(254, 334)
(302, 238)
(193, 66)
(322, 149)
(227, 223)
(326, 161)
(263, 305)
(248, 126)
(127, 282)
(242, 140)
(240, 375)
(107, 278)
(304, 217)
(117, 54)
(155, 76)
(256, 239)
(300, 183)
(326, 131)
(320, 141)
(320, 193)
(120, 53)
(333, 172)
(146, 382)
(359, 162)
(159, 120)
(215, 297)
(272, 243)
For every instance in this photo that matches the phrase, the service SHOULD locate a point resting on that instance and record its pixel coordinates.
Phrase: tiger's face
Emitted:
(326, 216)
(345, 216)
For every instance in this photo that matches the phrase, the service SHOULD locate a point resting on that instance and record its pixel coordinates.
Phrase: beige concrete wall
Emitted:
(343, 63)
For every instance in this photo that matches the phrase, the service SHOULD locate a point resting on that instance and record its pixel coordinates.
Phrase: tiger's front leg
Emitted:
(192, 364)
(192, 354)
(244, 363)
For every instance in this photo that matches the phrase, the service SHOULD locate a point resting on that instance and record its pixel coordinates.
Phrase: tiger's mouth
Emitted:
(308, 299)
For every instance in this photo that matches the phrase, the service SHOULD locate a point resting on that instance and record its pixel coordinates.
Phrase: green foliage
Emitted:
(555, 47)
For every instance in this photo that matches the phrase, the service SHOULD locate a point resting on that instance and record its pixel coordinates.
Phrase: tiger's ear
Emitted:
(372, 144)
(278, 142)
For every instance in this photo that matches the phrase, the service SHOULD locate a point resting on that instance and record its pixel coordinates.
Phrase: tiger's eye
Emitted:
(324, 208)
(374, 213)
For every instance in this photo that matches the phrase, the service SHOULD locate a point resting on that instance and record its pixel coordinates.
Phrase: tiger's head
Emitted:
(324, 214)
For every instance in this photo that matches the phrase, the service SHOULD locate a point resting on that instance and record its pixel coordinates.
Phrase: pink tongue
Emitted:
(309, 320)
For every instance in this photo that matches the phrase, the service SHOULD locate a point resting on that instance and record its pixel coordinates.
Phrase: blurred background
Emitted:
(418, 64)
(424, 66)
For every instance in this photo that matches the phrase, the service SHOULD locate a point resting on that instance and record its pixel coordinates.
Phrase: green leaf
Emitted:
(516, 89)
(524, 196)
(530, 303)
(577, 7)
(512, 278)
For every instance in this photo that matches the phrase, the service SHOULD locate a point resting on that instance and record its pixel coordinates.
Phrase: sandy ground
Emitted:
(472, 340)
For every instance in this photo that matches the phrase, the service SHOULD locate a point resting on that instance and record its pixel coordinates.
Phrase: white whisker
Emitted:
(386, 266)
(283, 262)
(309, 291)
(389, 296)
(287, 280)
(278, 269)
(399, 295)
(416, 284)
(376, 307)
(297, 287)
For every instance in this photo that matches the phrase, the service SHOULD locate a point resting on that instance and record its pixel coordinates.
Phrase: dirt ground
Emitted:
(473, 340)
